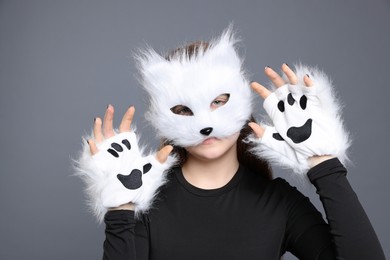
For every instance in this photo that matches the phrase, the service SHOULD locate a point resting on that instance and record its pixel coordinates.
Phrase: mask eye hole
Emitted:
(219, 101)
(182, 110)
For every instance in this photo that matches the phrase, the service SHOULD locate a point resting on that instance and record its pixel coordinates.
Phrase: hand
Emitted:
(305, 116)
(105, 130)
(114, 169)
(278, 81)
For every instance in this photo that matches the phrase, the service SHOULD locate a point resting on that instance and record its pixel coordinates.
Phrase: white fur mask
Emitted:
(195, 82)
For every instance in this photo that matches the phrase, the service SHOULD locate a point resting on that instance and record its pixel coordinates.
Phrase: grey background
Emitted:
(62, 62)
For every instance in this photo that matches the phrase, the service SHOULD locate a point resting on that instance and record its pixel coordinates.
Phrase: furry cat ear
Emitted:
(151, 64)
(223, 51)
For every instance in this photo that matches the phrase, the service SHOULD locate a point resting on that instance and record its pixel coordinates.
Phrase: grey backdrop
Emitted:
(62, 62)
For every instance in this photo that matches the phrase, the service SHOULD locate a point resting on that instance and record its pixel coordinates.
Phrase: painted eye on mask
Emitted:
(219, 101)
(182, 110)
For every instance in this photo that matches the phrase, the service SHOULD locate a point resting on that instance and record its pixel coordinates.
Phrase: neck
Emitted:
(211, 173)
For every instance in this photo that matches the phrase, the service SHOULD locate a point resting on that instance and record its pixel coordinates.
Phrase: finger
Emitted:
(261, 90)
(92, 146)
(308, 81)
(259, 131)
(126, 120)
(108, 130)
(97, 130)
(292, 78)
(162, 155)
(274, 77)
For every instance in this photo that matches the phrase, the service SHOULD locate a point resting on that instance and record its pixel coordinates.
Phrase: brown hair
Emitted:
(189, 51)
(244, 155)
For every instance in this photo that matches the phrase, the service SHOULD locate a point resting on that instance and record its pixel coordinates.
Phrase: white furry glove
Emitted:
(306, 122)
(119, 174)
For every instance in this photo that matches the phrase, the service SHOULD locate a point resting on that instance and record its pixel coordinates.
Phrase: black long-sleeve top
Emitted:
(249, 218)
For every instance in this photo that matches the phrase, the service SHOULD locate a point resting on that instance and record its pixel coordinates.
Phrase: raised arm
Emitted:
(305, 134)
(121, 180)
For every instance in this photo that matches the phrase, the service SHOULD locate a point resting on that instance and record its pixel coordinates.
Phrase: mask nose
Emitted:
(206, 131)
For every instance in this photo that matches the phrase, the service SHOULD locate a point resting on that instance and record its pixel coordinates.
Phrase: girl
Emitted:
(208, 193)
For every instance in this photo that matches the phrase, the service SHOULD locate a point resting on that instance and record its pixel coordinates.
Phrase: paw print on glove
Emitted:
(128, 176)
(297, 134)
(305, 116)
(133, 180)
(301, 122)
(114, 169)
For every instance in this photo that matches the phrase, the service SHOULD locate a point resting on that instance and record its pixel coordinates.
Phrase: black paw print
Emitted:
(132, 181)
(118, 148)
(300, 133)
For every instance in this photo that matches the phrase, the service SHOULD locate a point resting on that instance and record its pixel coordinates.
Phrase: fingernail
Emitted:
(266, 67)
(286, 64)
(94, 119)
(87, 141)
(308, 75)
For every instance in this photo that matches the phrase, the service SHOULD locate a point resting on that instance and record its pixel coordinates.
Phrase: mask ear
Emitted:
(223, 51)
(152, 66)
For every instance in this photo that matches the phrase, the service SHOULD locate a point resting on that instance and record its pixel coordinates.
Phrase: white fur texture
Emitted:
(99, 173)
(195, 82)
(328, 136)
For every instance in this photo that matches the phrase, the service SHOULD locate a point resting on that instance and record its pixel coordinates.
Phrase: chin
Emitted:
(209, 154)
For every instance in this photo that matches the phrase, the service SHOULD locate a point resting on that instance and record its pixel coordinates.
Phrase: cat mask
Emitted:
(184, 88)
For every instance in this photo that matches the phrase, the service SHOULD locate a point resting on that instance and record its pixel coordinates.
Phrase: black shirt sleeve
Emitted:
(353, 236)
(121, 241)
(307, 234)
